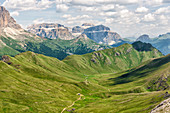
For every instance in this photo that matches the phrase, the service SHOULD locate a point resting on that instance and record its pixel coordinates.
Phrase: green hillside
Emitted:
(31, 82)
(62, 48)
(55, 48)
(113, 60)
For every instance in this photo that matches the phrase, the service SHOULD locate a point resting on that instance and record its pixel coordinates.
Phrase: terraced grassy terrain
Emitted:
(129, 78)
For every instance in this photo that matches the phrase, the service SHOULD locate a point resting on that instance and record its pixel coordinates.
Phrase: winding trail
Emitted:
(73, 103)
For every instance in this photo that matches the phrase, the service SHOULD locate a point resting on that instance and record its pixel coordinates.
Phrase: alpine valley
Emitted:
(50, 68)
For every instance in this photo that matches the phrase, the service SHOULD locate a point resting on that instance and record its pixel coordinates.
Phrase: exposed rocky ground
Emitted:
(163, 107)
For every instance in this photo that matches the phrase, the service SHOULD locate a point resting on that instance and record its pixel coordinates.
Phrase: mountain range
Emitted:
(84, 69)
(98, 33)
(14, 39)
(162, 42)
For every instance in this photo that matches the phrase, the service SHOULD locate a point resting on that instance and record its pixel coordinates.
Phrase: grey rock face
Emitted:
(102, 34)
(80, 29)
(6, 20)
(163, 107)
(77, 29)
(88, 24)
(9, 28)
(144, 38)
(51, 30)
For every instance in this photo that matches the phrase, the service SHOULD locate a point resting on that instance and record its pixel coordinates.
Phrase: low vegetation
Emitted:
(120, 79)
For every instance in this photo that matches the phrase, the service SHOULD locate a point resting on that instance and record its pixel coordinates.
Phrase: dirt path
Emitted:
(73, 103)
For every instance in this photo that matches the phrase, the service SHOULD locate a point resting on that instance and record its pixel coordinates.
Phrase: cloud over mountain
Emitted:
(135, 17)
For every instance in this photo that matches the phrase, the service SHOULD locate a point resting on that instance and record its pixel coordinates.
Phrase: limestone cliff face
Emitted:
(78, 30)
(6, 20)
(9, 28)
(102, 34)
(51, 30)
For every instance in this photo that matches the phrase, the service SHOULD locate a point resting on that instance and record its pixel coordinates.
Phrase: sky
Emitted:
(129, 18)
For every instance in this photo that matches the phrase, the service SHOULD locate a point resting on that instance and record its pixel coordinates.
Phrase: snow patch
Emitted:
(112, 42)
(76, 34)
(100, 42)
(85, 27)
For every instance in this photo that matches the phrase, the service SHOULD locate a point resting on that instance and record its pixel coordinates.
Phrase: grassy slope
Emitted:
(138, 90)
(61, 48)
(111, 60)
(37, 83)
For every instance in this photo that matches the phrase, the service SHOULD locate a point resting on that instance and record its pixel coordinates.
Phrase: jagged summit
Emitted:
(88, 24)
(6, 20)
(51, 30)
(9, 28)
(98, 28)
(102, 35)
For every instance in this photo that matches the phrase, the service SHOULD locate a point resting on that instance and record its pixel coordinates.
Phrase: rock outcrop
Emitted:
(51, 30)
(9, 28)
(6, 20)
(163, 107)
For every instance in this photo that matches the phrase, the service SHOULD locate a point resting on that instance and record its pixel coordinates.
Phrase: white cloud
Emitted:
(62, 1)
(109, 20)
(15, 13)
(95, 2)
(163, 10)
(125, 13)
(123, 16)
(141, 10)
(83, 2)
(66, 16)
(79, 17)
(88, 9)
(38, 21)
(163, 20)
(108, 13)
(61, 7)
(154, 2)
(22, 5)
(149, 17)
(108, 7)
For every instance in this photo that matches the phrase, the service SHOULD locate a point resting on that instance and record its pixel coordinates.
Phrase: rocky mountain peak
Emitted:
(6, 20)
(51, 30)
(2, 8)
(88, 24)
(144, 38)
(97, 28)
(102, 35)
